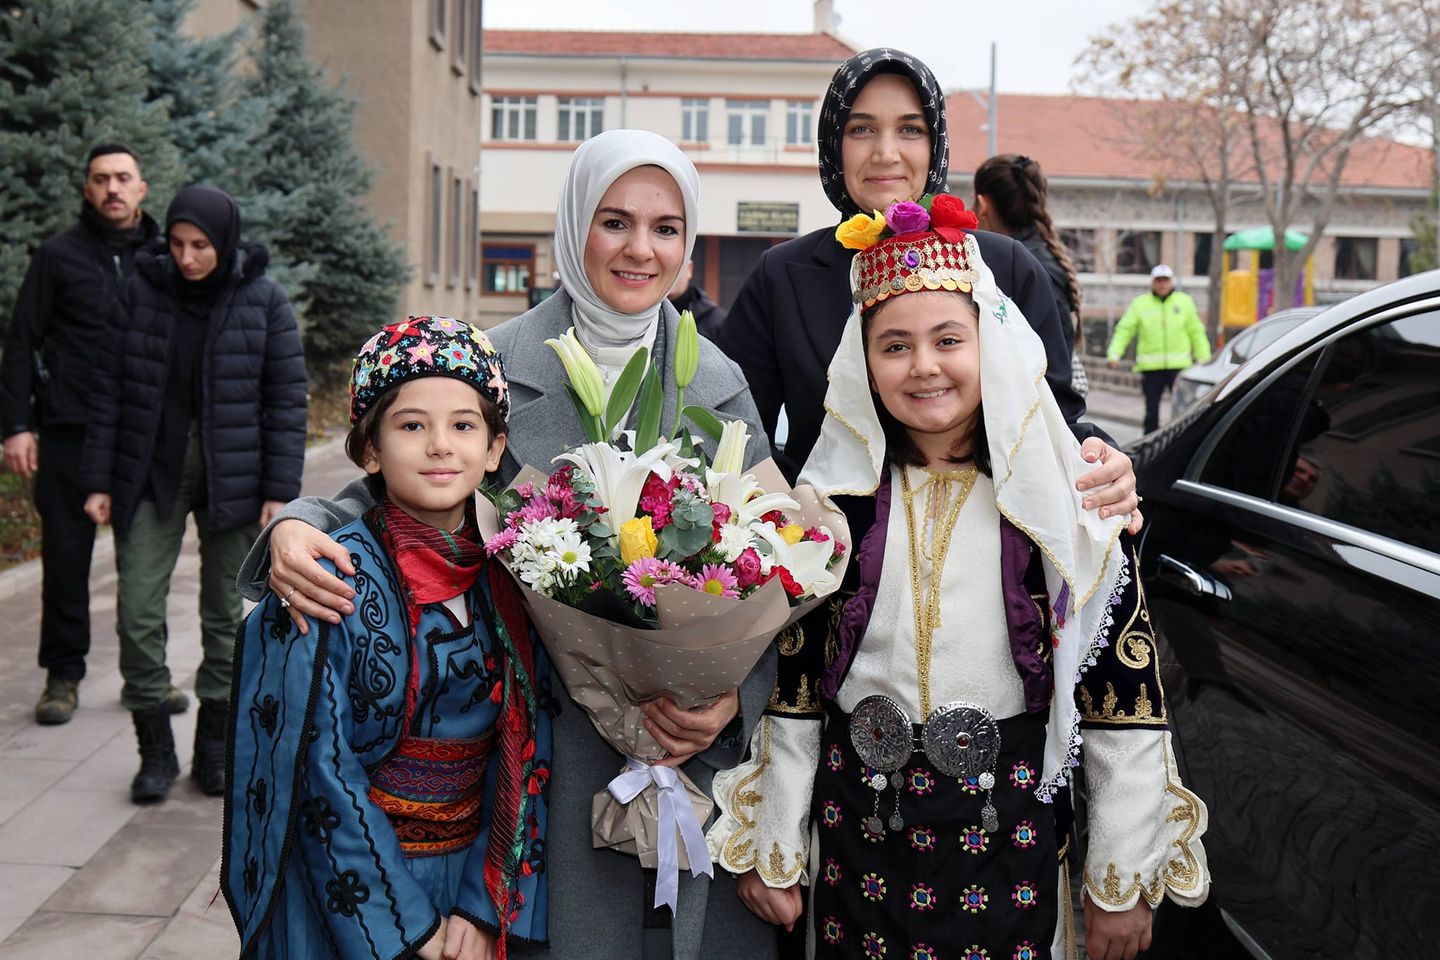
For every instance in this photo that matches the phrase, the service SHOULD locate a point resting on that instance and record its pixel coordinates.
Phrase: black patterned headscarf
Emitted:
(846, 85)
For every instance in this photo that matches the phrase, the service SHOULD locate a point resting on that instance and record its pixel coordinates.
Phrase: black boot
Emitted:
(158, 764)
(207, 768)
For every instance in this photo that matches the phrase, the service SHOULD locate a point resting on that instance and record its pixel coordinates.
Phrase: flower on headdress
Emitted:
(861, 231)
(948, 216)
(422, 352)
(388, 359)
(460, 358)
(907, 216)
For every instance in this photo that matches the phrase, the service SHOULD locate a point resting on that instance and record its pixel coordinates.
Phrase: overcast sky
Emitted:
(1037, 40)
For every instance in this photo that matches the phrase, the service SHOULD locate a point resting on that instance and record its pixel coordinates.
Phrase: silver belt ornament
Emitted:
(959, 739)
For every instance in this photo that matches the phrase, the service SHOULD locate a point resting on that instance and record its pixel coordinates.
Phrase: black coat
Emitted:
(785, 326)
(52, 342)
(252, 392)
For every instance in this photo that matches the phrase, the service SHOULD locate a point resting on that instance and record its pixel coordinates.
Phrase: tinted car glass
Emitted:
(1373, 459)
(1248, 458)
(1261, 336)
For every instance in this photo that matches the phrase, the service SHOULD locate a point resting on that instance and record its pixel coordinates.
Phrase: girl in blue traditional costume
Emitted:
(913, 767)
(388, 779)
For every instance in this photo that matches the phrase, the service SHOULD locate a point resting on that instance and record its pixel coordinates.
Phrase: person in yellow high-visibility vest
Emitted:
(1169, 337)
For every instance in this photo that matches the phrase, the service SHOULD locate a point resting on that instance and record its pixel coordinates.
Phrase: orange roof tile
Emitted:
(723, 46)
(1094, 137)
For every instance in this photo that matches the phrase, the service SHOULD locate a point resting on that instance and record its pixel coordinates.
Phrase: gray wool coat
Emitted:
(598, 906)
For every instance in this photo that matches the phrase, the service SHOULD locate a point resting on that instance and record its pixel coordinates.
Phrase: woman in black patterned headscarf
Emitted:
(853, 78)
(882, 138)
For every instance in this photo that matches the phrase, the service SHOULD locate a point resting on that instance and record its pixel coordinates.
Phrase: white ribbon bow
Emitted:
(675, 813)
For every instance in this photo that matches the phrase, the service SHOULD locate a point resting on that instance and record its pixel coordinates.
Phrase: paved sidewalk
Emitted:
(83, 872)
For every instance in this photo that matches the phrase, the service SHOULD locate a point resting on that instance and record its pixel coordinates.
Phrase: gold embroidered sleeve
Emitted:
(1145, 826)
(764, 803)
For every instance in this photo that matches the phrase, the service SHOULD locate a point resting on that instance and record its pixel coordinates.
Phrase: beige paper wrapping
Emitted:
(705, 646)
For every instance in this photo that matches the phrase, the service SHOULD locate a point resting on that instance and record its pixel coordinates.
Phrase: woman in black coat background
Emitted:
(198, 408)
(883, 138)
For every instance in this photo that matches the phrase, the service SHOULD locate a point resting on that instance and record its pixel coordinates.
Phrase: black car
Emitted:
(1291, 558)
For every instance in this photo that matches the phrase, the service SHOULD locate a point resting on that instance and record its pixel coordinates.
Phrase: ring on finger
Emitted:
(285, 600)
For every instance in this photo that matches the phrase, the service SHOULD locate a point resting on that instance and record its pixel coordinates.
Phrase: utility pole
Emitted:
(993, 132)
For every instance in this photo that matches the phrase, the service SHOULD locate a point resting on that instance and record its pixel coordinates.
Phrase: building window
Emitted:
(1409, 254)
(1355, 258)
(435, 218)
(694, 120)
(1204, 250)
(456, 241)
(461, 46)
(800, 122)
(506, 268)
(438, 22)
(1079, 242)
(473, 45)
(580, 117)
(1136, 251)
(513, 118)
(745, 122)
(472, 234)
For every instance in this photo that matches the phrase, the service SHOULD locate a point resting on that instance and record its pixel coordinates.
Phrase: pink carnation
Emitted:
(656, 498)
(817, 535)
(526, 490)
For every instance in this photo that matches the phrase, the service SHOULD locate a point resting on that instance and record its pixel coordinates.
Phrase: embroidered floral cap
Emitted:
(427, 347)
(913, 246)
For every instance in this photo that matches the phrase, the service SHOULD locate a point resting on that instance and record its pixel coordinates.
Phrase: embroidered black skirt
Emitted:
(940, 887)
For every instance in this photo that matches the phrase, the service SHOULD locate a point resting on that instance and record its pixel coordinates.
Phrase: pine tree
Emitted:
(72, 74)
(309, 180)
(212, 123)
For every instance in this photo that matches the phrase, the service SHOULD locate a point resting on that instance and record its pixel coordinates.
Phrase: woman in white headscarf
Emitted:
(625, 224)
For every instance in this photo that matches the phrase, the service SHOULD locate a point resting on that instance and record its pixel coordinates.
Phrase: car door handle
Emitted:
(1196, 582)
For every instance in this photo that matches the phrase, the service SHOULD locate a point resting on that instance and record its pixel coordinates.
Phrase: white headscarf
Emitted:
(597, 164)
(1036, 461)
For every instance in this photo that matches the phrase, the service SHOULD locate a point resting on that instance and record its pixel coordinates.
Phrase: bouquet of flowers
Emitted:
(651, 567)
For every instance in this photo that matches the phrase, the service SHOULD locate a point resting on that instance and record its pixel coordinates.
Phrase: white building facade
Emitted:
(744, 107)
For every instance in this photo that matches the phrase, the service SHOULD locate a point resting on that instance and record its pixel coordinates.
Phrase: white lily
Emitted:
(730, 453)
(673, 459)
(808, 561)
(742, 494)
(619, 475)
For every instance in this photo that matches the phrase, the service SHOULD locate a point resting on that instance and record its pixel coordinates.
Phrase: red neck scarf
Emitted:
(434, 564)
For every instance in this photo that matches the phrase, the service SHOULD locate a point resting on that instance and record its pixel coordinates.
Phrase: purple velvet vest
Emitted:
(1020, 576)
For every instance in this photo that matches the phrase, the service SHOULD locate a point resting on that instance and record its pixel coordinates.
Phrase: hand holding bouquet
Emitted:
(651, 568)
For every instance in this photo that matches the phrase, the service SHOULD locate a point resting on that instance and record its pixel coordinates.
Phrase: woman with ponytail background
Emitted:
(1010, 198)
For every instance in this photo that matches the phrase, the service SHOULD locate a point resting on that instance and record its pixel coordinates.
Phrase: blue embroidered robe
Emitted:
(312, 865)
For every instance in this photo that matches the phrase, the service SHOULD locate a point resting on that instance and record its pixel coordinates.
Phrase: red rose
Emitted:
(788, 582)
(948, 217)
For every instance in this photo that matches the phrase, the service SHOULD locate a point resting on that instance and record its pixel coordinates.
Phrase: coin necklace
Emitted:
(927, 604)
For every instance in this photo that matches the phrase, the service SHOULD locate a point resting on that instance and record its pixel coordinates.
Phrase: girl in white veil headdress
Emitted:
(997, 627)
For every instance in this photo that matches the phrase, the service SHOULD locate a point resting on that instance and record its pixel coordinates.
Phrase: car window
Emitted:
(1371, 459)
(1248, 458)
(1261, 336)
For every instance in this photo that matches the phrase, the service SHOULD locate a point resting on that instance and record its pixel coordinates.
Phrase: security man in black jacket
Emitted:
(50, 350)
